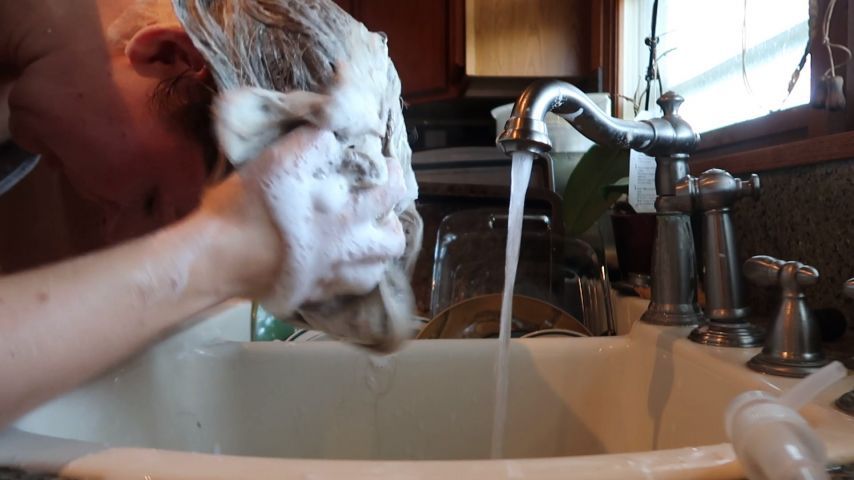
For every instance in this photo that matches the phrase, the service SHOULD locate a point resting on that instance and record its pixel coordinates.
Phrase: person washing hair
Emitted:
(318, 221)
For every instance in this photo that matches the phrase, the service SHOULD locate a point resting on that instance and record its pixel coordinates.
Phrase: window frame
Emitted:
(800, 135)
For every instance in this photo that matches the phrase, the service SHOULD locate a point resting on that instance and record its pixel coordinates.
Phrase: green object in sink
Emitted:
(266, 327)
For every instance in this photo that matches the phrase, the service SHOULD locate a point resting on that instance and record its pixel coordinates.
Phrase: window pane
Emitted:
(700, 54)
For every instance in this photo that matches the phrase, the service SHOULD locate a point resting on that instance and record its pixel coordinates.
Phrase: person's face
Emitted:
(88, 108)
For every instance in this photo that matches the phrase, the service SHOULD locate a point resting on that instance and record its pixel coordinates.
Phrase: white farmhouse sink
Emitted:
(645, 404)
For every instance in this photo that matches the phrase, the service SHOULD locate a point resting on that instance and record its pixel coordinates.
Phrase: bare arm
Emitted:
(264, 232)
(64, 324)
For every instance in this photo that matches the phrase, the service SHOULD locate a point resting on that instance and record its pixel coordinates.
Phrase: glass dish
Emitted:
(565, 272)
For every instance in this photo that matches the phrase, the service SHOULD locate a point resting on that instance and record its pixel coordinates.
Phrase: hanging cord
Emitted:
(652, 72)
(825, 40)
(744, 77)
(793, 80)
(797, 73)
(831, 88)
(638, 96)
(652, 67)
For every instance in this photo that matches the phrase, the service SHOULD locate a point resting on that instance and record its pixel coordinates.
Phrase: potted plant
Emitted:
(599, 183)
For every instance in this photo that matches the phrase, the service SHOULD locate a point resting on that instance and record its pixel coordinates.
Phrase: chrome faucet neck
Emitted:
(669, 138)
(526, 128)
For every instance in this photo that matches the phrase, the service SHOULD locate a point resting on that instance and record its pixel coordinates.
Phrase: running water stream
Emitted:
(520, 175)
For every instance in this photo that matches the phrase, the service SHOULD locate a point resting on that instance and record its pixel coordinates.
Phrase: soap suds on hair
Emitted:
(286, 63)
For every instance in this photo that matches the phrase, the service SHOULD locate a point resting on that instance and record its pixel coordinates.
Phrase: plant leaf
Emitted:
(620, 187)
(583, 199)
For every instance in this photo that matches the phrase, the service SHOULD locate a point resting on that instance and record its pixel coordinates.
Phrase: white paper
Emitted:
(641, 182)
(642, 176)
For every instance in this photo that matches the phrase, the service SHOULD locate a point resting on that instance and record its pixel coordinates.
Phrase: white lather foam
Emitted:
(356, 286)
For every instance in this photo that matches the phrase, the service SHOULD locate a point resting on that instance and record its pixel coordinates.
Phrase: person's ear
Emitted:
(163, 52)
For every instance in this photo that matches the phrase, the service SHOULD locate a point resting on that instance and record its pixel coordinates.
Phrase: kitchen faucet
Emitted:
(670, 139)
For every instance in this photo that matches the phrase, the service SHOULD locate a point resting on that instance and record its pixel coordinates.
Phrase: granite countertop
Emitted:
(15, 474)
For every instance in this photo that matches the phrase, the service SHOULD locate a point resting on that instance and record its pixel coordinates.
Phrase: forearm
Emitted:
(63, 324)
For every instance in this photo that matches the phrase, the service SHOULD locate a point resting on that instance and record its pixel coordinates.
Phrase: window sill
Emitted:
(826, 148)
(784, 139)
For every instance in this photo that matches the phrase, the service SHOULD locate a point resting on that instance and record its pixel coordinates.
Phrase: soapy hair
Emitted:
(308, 45)
(274, 44)
(285, 45)
(278, 45)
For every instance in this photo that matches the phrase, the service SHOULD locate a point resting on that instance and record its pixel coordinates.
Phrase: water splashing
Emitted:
(520, 175)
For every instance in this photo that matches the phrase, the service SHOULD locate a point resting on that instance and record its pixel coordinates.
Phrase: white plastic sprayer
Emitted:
(771, 439)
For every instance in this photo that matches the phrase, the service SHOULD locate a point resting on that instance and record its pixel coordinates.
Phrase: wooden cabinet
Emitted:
(542, 38)
(438, 46)
(425, 42)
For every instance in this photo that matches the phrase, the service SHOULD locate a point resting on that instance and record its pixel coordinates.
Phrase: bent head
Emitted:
(113, 118)
(310, 45)
(118, 92)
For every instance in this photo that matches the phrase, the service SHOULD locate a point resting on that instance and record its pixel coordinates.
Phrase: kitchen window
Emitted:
(732, 60)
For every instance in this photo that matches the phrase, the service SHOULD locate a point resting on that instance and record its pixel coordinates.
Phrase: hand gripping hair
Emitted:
(310, 115)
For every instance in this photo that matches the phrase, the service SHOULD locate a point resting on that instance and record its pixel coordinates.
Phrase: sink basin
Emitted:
(649, 402)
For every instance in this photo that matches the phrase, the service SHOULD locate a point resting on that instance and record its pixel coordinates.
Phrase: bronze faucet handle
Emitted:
(750, 187)
(793, 345)
(768, 271)
(714, 189)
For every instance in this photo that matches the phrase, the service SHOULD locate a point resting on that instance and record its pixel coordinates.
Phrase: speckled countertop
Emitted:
(805, 214)
(15, 474)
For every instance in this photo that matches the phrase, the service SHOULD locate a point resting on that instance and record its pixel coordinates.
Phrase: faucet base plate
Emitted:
(774, 365)
(736, 335)
(672, 315)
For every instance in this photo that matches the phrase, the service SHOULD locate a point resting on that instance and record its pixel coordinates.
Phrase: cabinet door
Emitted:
(425, 42)
(536, 38)
(435, 44)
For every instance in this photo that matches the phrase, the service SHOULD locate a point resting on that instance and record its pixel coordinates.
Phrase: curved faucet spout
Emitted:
(669, 138)
(526, 128)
